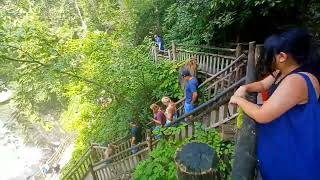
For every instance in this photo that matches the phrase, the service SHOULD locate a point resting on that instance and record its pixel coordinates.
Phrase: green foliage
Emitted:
(211, 21)
(240, 119)
(197, 22)
(161, 163)
(167, 75)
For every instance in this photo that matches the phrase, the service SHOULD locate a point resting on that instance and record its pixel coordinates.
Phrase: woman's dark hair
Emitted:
(296, 42)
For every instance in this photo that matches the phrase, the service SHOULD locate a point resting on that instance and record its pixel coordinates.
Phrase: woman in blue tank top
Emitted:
(288, 139)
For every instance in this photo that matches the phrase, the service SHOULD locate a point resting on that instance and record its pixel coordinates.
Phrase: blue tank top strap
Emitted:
(311, 89)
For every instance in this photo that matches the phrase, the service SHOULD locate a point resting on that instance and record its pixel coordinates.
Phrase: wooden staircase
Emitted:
(224, 73)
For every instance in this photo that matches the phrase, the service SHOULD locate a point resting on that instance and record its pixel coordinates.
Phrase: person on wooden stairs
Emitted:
(191, 91)
(159, 43)
(136, 135)
(158, 117)
(171, 110)
(110, 151)
(192, 66)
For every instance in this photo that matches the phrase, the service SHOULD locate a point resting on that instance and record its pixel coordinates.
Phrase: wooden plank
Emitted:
(104, 172)
(205, 63)
(186, 131)
(217, 115)
(210, 65)
(198, 60)
(131, 162)
(214, 65)
(182, 56)
(221, 63)
(98, 174)
(108, 172)
(127, 164)
(123, 167)
(225, 111)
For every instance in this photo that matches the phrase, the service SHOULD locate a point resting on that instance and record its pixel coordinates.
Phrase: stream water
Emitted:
(17, 159)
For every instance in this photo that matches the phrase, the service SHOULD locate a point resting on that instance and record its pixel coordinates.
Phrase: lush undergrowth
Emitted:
(161, 162)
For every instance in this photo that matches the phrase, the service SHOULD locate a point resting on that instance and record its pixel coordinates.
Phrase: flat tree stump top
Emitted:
(196, 158)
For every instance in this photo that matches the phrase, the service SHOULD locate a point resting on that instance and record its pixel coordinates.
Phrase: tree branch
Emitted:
(56, 70)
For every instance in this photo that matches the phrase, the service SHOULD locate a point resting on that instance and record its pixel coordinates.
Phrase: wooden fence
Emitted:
(229, 74)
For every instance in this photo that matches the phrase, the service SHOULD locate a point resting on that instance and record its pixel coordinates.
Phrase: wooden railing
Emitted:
(218, 55)
(124, 167)
(230, 73)
(92, 155)
(80, 170)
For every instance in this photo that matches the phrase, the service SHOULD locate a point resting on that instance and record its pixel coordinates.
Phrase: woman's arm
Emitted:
(156, 121)
(292, 91)
(170, 112)
(259, 86)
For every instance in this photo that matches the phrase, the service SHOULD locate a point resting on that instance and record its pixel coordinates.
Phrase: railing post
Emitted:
(169, 55)
(238, 50)
(91, 162)
(258, 54)
(149, 139)
(174, 51)
(245, 153)
(154, 54)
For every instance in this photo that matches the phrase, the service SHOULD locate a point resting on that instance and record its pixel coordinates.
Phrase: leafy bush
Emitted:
(161, 162)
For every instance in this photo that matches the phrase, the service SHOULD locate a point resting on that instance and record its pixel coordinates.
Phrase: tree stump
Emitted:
(196, 161)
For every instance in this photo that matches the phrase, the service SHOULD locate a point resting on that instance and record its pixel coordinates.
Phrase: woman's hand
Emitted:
(233, 100)
(241, 91)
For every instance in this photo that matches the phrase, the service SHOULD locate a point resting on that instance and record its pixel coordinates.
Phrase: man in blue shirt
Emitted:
(159, 43)
(136, 136)
(191, 89)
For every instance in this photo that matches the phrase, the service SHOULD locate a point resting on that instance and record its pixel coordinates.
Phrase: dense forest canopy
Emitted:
(86, 62)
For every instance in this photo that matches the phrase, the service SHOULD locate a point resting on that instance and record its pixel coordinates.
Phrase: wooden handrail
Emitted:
(223, 78)
(209, 47)
(122, 152)
(98, 167)
(210, 54)
(225, 69)
(78, 163)
(224, 121)
(209, 102)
